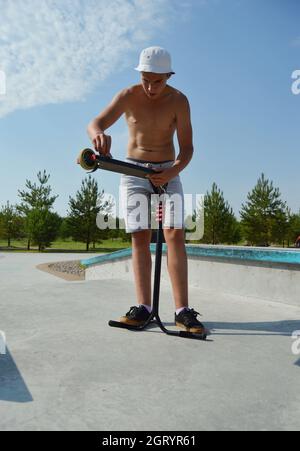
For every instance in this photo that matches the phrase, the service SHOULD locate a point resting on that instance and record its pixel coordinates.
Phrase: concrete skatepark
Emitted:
(65, 369)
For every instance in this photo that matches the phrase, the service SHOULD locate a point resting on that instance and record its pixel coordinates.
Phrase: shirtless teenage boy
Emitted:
(154, 111)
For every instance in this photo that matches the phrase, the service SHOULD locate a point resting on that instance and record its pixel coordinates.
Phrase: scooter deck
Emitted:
(89, 160)
(175, 333)
(122, 167)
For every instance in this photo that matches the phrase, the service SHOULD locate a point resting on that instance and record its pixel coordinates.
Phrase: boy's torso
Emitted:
(151, 124)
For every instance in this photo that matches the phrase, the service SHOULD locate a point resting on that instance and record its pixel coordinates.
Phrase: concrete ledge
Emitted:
(124, 253)
(289, 257)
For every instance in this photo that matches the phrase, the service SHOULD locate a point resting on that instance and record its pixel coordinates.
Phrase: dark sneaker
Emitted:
(187, 320)
(136, 316)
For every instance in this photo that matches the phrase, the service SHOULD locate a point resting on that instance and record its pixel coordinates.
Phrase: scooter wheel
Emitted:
(87, 159)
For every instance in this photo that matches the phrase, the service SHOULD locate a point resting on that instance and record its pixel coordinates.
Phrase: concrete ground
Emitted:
(65, 369)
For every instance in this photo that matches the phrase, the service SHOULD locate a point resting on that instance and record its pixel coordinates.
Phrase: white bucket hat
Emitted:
(156, 60)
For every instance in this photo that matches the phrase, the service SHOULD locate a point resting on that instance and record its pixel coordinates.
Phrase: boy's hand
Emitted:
(102, 144)
(163, 176)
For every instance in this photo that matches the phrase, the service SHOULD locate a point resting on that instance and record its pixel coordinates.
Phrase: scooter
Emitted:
(90, 161)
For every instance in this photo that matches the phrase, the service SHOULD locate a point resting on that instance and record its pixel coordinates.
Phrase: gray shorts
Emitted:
(139, 202)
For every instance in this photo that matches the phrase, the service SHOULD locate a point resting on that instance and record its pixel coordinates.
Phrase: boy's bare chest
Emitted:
(148, 116)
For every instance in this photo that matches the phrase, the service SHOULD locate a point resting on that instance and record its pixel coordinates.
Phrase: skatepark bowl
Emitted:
(271, 274)
(66, 369)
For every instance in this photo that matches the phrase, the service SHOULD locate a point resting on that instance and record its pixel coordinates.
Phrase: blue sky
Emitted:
(234, 59)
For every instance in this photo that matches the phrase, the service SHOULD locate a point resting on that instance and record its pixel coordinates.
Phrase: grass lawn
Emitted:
(68, 246)
(72, 246)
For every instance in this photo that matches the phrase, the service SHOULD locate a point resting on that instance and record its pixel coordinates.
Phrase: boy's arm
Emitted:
(184, 134)
(96, 128)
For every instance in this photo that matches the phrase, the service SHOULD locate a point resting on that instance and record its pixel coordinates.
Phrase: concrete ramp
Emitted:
(271, 275)
(67, 370)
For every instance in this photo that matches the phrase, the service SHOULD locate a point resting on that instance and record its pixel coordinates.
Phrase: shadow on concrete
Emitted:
(12, 385)
(283, 328)
(297, 363)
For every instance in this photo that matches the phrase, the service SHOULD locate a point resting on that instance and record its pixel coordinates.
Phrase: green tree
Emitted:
(233, 232)
(11, 223)
(83, 211)
(65, 231)
(37, 202)
(220, 224)
(281, 226)
(43, 226)
(294, 228)
(264, 215)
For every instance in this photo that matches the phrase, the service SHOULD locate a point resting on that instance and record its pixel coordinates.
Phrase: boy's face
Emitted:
(154, 84)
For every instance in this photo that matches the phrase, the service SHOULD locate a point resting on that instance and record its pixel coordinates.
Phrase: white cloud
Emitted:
(56, 51)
